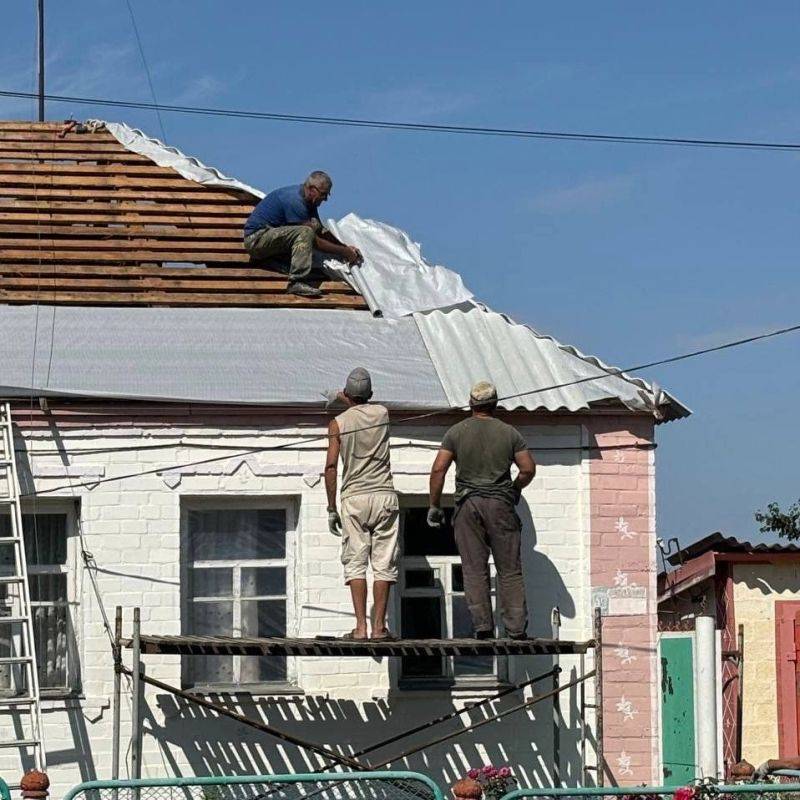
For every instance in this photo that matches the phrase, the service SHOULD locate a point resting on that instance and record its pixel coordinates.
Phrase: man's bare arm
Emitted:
(442, 462)
(332, 462)
(344, 251)
(527, 468)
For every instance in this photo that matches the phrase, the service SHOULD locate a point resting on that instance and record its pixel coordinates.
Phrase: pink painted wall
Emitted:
(623, 574)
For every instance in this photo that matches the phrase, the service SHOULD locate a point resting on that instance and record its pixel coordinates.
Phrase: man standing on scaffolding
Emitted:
(485, 519)
(369, 523)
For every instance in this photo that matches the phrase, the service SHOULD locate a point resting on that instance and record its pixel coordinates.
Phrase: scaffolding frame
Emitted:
(142, 644)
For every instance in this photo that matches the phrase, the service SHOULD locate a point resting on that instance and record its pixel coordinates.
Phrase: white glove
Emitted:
(435, 517)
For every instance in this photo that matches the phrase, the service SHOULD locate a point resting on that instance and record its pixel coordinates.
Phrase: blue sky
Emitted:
(628, 252)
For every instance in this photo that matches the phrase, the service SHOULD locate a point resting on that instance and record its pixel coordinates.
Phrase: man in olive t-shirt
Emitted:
(484, 448)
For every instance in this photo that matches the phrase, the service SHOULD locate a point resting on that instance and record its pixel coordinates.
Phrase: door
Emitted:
(787, 654)
(678, 755)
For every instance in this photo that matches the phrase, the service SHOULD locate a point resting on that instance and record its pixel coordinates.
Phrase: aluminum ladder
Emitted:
(21, 694)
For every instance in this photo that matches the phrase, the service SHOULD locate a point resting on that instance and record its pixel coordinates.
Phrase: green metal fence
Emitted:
(703, 791)
(5, 792)
(389, 785)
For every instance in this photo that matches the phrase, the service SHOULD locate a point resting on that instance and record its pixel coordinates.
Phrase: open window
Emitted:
(431, 605)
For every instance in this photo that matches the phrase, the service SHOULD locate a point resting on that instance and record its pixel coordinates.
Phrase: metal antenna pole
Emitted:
(40, 7)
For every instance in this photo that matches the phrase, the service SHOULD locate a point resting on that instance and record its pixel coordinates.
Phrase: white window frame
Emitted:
(442, 567)
(70, 568)
(288, 562)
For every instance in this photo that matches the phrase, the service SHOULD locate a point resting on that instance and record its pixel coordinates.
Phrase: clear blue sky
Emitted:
(628, 252)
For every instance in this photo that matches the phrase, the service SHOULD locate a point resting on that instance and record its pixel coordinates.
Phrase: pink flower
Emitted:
(683, 793)
(504, 772)
(473, 773)
(489, 771)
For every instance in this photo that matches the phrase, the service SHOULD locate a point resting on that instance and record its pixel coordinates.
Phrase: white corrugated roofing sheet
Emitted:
(472, 344)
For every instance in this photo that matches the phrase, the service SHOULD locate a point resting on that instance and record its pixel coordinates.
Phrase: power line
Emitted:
(469, 130)
(427, 415)
(146, 69)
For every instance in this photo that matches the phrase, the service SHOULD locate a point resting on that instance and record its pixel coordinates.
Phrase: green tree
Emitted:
(785, 523)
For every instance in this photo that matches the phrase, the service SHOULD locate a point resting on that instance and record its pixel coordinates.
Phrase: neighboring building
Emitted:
(158, 378)
(755, 588)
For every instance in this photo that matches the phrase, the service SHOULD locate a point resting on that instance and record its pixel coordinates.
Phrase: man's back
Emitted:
(364, 437)
(284, 206)
(484, 450)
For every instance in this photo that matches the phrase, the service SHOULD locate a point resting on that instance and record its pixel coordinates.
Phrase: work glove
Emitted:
(761, 772)
(435, 517)
(334, 522)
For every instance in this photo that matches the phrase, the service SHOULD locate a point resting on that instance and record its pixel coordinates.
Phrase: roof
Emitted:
(86, 220)
(90, 219)
(719, 543)
(276, 356)
(698, 561)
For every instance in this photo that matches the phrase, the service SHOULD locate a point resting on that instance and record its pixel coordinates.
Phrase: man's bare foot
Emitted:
(356, 635)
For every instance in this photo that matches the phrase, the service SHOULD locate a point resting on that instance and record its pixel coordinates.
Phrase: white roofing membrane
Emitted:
(276, 356)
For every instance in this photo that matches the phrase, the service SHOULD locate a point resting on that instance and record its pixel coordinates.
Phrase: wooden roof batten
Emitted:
(84, 221)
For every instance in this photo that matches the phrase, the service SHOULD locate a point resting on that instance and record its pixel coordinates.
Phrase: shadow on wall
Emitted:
(211, 745)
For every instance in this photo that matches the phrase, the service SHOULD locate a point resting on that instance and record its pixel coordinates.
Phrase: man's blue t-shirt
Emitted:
(284, 206)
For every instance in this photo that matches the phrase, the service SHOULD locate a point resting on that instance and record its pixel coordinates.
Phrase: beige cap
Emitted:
(482, 392)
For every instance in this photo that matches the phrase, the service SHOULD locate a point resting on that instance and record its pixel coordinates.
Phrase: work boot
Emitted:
(303, 289)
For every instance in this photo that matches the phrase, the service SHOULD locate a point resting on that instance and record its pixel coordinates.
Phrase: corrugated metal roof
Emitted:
(719, 543)
(473, 344)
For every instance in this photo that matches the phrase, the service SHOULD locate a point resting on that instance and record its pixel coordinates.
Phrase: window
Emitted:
(235, 584)
(432, 604)
(47, 548)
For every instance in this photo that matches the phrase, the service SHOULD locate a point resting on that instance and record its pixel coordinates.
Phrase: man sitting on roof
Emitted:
(286, 222)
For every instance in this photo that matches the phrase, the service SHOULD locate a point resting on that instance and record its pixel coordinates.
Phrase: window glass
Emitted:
(45, 538)
(420, 540)
(236, 587)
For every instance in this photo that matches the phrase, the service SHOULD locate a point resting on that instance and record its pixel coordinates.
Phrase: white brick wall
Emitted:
(133, 529)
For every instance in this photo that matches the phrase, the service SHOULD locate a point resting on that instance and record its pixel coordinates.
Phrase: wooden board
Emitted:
(83, 220)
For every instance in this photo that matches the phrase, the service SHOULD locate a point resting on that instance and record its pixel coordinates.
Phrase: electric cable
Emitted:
(155, 103)
(469, 130)
(438, 412)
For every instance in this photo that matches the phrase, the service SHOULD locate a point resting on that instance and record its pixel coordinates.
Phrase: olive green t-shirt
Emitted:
(484, 450)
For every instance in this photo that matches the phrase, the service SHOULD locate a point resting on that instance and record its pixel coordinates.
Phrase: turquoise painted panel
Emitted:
(677, 710)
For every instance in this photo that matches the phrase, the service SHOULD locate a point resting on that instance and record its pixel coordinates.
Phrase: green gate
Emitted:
(678, 754)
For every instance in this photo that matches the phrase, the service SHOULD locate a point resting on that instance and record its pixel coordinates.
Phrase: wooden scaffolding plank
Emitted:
(182, 299)
(50, 136)
(223, 645)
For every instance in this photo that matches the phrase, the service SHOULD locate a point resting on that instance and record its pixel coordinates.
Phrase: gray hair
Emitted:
(319, 179)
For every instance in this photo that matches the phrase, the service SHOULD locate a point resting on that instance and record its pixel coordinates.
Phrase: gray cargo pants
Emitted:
(296, 241)
(483, 525)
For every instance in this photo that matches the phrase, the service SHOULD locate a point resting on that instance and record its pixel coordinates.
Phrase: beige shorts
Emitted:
(370, 527)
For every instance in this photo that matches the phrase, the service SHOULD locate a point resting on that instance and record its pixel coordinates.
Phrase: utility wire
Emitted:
(469, 130)
(298, 443)
(155, 104)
